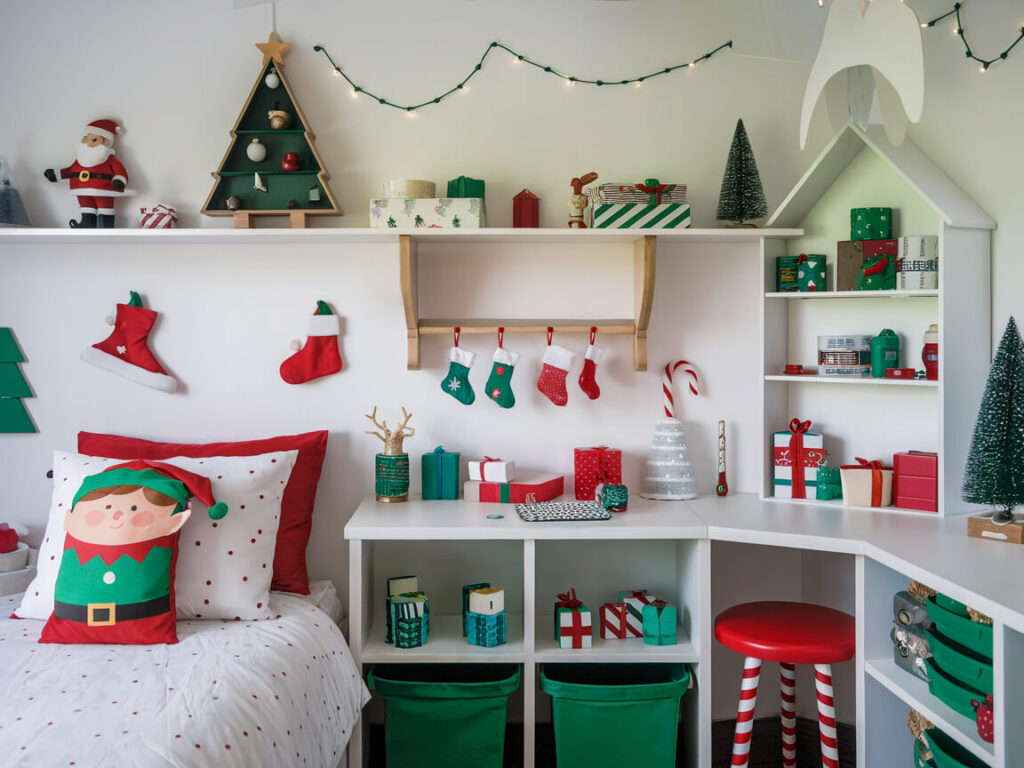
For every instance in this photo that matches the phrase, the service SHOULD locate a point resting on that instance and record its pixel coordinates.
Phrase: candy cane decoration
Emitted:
(745, 713)
(666, 384)
(826, 716)
(788, 714)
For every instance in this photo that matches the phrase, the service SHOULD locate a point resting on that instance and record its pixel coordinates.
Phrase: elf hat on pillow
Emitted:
(126, 350)
(174, 482)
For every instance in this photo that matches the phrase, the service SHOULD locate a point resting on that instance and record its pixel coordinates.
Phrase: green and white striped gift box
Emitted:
(641, 216)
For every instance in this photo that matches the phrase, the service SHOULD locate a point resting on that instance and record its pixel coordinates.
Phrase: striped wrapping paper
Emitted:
(641, 216)
(635, 601)
(160, 216)
(629, 193)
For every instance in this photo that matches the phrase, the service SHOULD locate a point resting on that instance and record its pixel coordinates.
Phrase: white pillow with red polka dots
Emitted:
(224, 566)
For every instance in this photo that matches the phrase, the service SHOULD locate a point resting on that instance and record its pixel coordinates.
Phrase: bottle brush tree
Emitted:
(995, 464)
(742, 196)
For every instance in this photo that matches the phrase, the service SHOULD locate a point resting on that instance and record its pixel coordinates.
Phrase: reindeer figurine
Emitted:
(392, 466)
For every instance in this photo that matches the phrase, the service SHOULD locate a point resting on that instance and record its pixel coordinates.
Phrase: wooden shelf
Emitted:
(484, 325)
(268, 131)
(856, 380)
(269, 173)
(851, 294)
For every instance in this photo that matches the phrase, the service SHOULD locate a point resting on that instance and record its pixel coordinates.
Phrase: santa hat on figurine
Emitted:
(174, 482)
(126, 350)
(108, 129)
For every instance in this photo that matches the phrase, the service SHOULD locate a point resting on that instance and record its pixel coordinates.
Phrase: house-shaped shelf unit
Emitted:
(874, 418)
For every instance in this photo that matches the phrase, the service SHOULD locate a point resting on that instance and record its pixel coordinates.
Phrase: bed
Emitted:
(283, 692)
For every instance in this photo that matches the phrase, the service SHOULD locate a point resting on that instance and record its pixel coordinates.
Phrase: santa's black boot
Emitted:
(105, 221)
(88, 222)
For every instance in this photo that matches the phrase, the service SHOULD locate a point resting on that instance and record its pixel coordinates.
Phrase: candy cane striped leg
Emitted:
(826, 716)
(788, 714)
(745, 711)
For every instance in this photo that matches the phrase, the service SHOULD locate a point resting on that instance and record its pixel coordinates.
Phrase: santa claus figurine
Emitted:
(96, 176)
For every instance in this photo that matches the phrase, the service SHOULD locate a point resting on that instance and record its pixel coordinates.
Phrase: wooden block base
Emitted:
(982, 527)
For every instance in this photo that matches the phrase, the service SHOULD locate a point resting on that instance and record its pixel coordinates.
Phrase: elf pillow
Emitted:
(115, 583)
(289, 569)
(223, 567)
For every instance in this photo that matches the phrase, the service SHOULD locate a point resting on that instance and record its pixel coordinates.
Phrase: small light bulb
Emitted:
(983, 68)
(821, 3)
(924, 25)
(355, 93)
(570, 82)
(693, 64)
(337, 72)
(411, 112)
(956, 30)
(639, 83)
(519, 59)
(463, 87)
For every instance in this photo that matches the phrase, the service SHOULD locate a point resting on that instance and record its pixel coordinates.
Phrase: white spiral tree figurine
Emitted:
(669, 472)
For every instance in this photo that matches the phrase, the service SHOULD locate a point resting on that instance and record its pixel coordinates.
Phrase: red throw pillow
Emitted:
(290, 573)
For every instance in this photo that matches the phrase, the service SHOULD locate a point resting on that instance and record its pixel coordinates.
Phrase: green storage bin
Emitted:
(954, 694)
(639, 702)
(961, 663)
(946, 753)
(444, 715)
(958, 626)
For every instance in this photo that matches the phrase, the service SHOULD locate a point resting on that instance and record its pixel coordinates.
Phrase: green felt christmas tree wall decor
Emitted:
(995, 464)
(13, 387)
(271, 138)
(742, 196)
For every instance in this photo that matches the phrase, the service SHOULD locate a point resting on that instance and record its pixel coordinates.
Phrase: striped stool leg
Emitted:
(826, 716)
(788, 714)
(745, 711)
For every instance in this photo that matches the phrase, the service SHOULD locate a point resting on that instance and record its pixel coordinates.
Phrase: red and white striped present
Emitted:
(613, 621)
(635, 601)
(160, 216)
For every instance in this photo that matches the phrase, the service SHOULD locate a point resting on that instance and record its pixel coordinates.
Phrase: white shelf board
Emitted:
(851, 507)
(851, 294)
(340, 235)
(855, 380)
(446, 644)
(914, 692)
(632, 649)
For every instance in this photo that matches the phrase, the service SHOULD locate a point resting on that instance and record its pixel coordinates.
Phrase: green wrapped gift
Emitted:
(785, 274)
(810, 272)
(830, 485)
(440, 473)
(870, 223)
(659, 623)
(877, 273)
(467, 187)
(410, 619)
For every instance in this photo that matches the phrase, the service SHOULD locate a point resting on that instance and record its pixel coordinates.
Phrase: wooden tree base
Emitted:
(244, 219)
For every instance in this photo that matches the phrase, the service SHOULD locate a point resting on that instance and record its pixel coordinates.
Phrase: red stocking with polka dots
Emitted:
(557, 362)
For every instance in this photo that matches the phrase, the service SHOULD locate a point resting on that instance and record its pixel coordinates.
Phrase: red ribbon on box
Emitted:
(483, 464)
(878, 267)
(876, 479)
(569, 600)
(576, 631)
(654, 190)
(796, 448)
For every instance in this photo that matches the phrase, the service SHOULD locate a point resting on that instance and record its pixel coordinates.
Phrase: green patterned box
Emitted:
(487, 630)
(810, 272)
(410, 619)
(830, 484)
(641, 216)
(870, 223)
(466, 187)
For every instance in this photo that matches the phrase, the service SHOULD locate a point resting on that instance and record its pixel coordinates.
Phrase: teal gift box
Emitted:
(486, 630)
(830, 485)
(659, 624)
(466, 187)
(870, 223)
(440, 473)
(410, 619)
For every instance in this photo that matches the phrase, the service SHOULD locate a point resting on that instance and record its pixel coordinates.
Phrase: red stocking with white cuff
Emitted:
(557, 362)
(588, 382)
(319, 357)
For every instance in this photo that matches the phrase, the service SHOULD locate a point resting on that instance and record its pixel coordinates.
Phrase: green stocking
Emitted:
(456, 383)
(499, 383)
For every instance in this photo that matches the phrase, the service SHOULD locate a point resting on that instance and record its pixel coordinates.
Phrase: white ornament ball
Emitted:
(272, 80)
(256, 151)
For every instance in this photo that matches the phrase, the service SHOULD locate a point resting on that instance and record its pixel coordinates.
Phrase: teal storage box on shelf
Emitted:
(947, 753)
(444, 715)
(954, 694)
(615, 714)
(952, 620)
(960, 663)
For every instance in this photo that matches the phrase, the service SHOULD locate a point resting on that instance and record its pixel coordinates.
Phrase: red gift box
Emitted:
(915, 483)
(523, 490)
(593, 466)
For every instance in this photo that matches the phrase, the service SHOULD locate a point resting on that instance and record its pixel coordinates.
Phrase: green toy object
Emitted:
(878, 273)
(13, 387)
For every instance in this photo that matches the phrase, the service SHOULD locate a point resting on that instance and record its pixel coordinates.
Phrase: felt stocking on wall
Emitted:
(456, 383)
(319, 357)
(557, 362)
(499, 383)
(588, 383)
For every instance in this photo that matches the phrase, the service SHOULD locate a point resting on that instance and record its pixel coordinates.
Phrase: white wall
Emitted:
(177, 75)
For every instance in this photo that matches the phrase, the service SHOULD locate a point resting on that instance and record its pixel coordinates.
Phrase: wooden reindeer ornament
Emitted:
(392, 466)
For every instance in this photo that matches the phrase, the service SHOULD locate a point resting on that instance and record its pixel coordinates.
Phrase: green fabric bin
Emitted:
(961, 663)
(615, 714)
(947, 753)
(954, 694)
(444, 715)
(958, 626)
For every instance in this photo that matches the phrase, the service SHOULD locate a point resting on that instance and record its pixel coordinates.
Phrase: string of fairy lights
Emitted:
(519, 58)
(959, 31)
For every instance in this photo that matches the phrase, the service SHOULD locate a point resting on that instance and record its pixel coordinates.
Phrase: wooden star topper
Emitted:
(273, 49)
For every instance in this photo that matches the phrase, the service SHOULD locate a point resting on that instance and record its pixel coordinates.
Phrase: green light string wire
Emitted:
(569, 79)
(968, 51)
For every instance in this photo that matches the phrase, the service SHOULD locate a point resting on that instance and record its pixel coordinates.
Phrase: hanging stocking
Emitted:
(456, 383)
(319, 357)
(499, 383)
(126, 350)
(590, 360)
(556, 364)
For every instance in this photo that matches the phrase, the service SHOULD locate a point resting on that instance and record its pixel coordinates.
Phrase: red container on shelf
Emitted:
(915, 481)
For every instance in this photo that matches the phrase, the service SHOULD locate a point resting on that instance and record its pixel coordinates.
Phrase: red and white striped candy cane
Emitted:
(788, 714)
(666, 384)
(826, 716)
(745, 712)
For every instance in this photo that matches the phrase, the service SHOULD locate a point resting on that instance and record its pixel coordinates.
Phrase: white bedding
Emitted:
(281, 692)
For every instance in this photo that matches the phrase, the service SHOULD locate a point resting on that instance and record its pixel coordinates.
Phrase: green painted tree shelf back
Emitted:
(13, 387)
(298, 194)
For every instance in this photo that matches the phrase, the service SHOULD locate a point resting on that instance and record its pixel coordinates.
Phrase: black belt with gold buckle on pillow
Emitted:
(108, 614)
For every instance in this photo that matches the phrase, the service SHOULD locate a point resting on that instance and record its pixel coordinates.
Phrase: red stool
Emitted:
(789, 633)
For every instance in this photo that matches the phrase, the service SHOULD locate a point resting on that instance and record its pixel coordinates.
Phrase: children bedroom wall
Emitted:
(177, 76)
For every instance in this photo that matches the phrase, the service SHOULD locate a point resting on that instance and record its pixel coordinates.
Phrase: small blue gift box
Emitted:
(659, 624)
(486, 629)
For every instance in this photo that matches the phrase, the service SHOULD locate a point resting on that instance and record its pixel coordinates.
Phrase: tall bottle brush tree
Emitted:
(742, 196)
(995, 464)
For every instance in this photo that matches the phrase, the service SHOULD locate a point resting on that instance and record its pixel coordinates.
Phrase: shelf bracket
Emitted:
(408, 268)
(644, 253)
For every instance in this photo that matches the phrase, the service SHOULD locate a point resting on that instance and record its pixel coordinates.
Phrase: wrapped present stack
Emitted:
(440, 473)
(872, 260)
(573, 622)
(488, 470)
(463, 208)
(529, 488)
(647, 205)
(485, 620)
(596, 466)
(796, 454)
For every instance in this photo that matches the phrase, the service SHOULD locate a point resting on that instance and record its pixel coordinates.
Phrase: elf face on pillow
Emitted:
(116, 577)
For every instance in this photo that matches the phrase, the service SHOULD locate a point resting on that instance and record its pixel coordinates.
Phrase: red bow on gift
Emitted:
(659, 604)
(878, 267)
(483, 464)
(796, 447)
(655, 189)
(876, 468)
(569, 600)
(869, 464)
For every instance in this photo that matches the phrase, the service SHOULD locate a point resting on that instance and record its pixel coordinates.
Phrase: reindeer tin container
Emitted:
(391, 468)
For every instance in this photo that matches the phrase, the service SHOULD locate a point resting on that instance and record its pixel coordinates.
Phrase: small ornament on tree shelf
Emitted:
(669, 469)
(456, 381)
(392, 466)
(96, 176)
(995, 464)
(742, 196)
(319, 357)
(499, 383)
(272, 81)
(256, 151)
